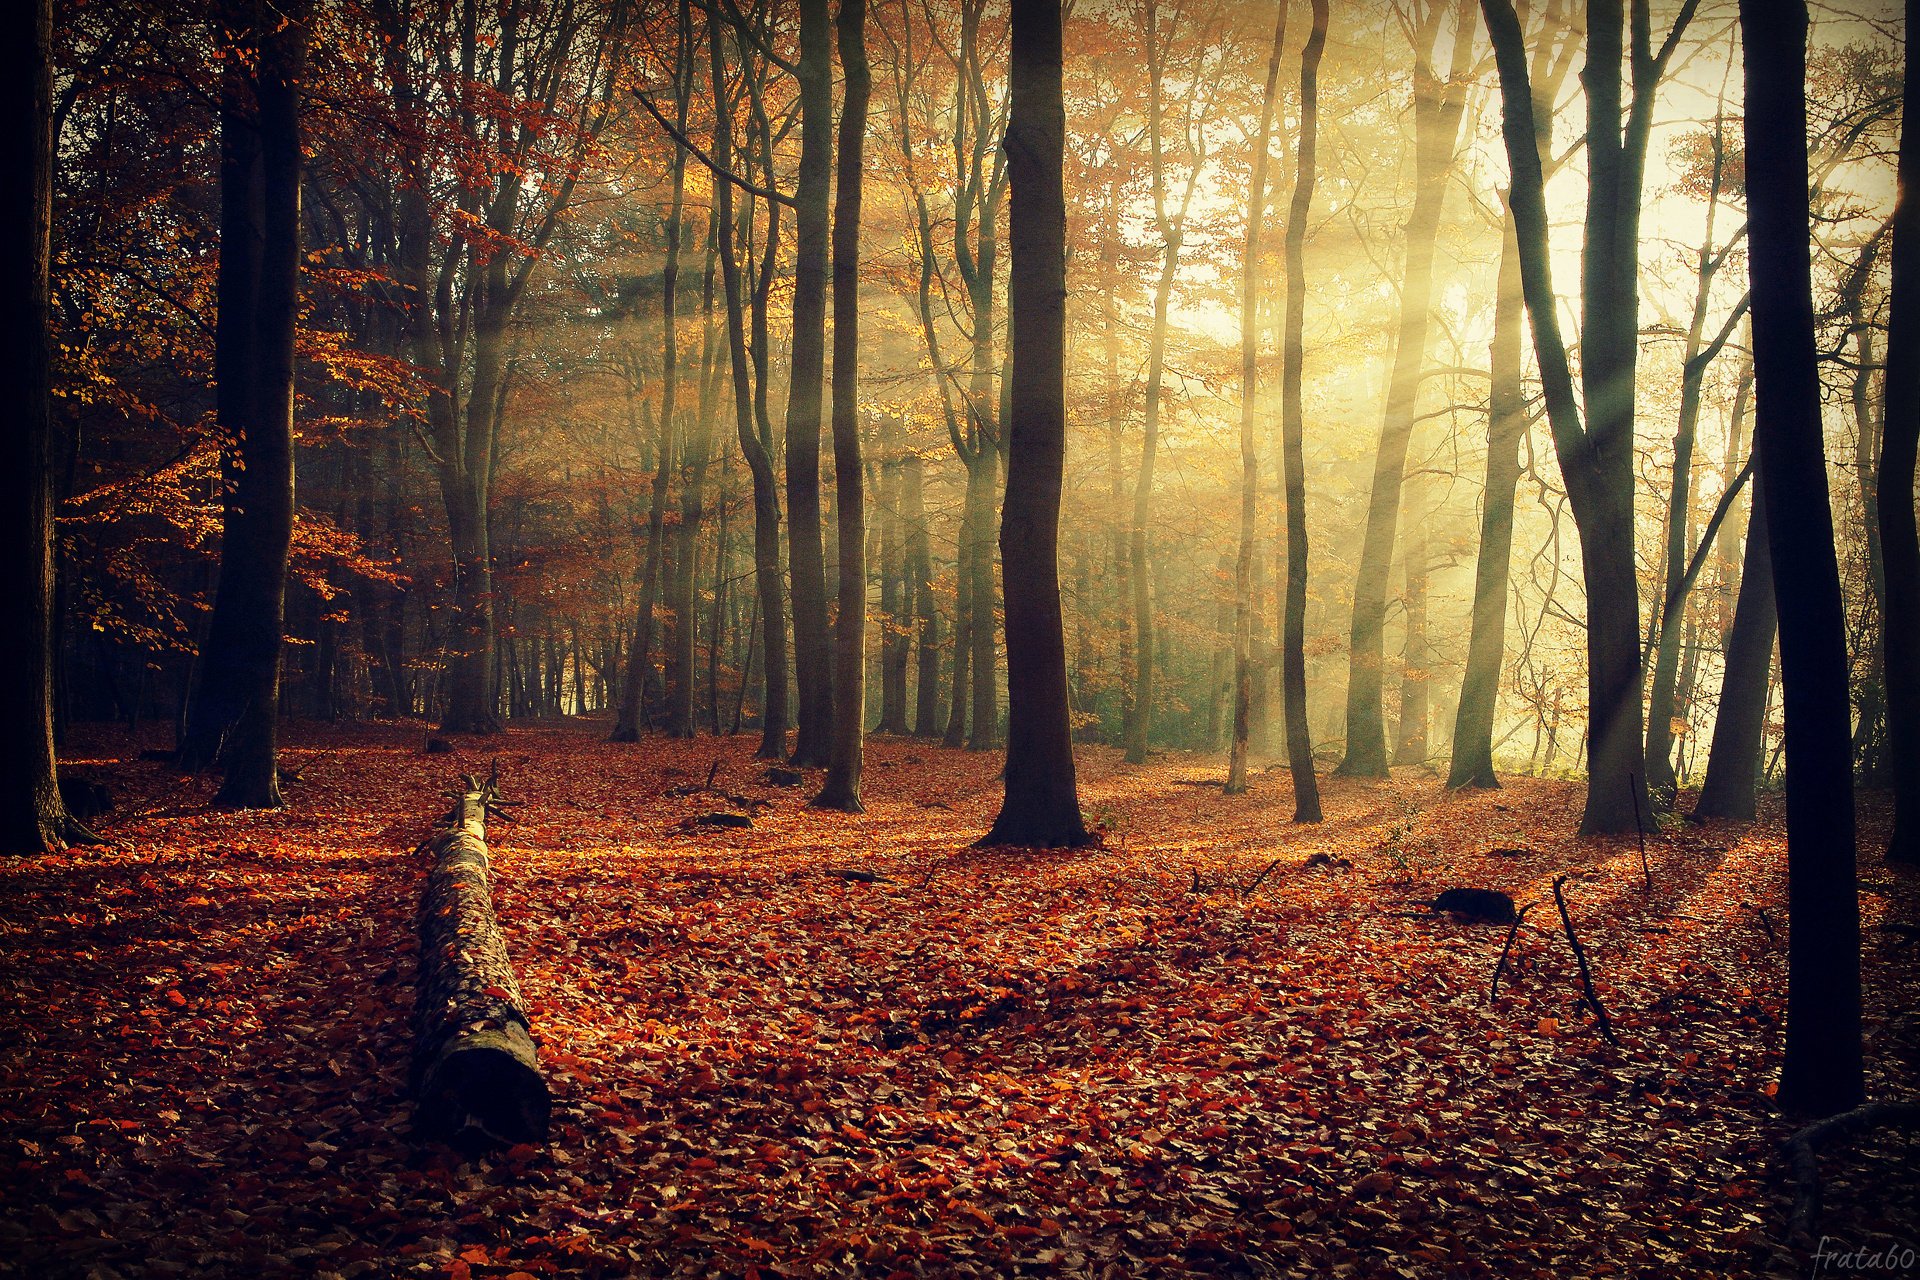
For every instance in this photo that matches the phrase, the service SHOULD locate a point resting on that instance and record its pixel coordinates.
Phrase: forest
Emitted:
(917, 638)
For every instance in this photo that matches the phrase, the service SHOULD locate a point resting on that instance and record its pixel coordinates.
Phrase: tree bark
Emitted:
(233, 713)
(1899, 545)
(926, 695)
(842, 788)
(806, 560)
(1822, 1071)
(1041, 806)
(475, 1075)
(33, 818)
(1293, 641)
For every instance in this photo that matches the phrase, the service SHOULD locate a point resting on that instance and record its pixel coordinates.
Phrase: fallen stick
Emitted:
(1519, 918)
(475, 1075)
(1580, 955)
(1646, 868)
(1803, 1148)
(1257, 880)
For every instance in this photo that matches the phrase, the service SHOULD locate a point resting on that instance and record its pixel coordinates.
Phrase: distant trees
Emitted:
(233, 707)
(1822, 1071)
(1042, 805)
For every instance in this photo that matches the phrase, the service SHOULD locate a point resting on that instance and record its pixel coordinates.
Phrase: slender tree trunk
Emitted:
(1822, 1072)
(750, 423)
(896, 584)
(1042, 805)
(1472, 763)
(926, 694)
(958, 686)
(1899, 545)
(983, 466)
(1244, 603)
(695, 459)
(842, 789)
(813, 658)
(1293, 640)
(1410, 740)
(1437, 108)
(33, 819)
(234, 712)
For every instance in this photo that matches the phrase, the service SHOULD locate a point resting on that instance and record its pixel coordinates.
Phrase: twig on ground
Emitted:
(1580, 955)
(1803, 1148)
(1519, 918)
(1248, 891)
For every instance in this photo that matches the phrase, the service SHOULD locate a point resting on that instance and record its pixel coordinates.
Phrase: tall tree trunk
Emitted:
(234, 712)
(751, 426)
(1042, 804)
(33, 819)
(1822, 1071)
(1899, 546)
(1410, 739)
(842, 788)
(1293, 638)
(1244, 603)
(812, 652)
(695, 458)
(1593, 433)
(983, 476)
(1437, 108)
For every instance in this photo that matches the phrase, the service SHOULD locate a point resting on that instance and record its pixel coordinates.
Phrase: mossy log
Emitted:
(475, 1074)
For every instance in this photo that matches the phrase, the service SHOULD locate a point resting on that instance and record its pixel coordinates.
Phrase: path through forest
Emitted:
(978, 1062)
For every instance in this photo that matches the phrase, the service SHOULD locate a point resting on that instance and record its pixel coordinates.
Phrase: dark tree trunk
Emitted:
(1437, 108)
(896, 586)
(1042, 804)
(1293, 639)
(34, 818)
(1822, 1071)
(1900, 548)
(842, 788)
(812, 651)
(233, 714)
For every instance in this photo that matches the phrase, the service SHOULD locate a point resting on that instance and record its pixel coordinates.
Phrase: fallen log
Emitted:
(475, 1076)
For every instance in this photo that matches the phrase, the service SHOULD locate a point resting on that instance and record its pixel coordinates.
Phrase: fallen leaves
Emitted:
(949, 1062)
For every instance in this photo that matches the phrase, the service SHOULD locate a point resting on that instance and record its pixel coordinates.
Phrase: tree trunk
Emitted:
(1410, 739)
(1472, 763)
(1042, 805)
(926, 694)
(34, 818)
(896, 584)
(842, 788)
(1899, 545)
(812, 652)
(1244, 604)
(1293, 639)
(983, 467)
(233, 714)
(1822, 1071)
(750, 425)
(695, 458)
(474, 1069)
(1437, 108)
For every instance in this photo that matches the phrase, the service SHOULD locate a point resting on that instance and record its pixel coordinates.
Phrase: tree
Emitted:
(1293, 628)
(1739, 723)
(842, 788)
(1042, 804)
(1593, 432)
(1243, 602)
(1822, 1071)
(806, 559)
(751, 424)
(1472, 756)
(1437, 108)
(35, 818)
(233, 710)
(1900, 548)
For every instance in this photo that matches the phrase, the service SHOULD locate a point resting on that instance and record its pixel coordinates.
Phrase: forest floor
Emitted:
(1115, 1062)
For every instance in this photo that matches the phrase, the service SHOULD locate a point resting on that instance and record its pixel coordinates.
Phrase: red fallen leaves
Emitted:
(987, 1063)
